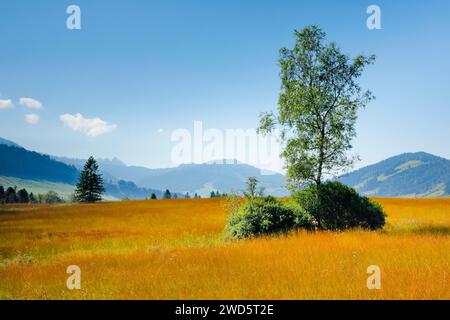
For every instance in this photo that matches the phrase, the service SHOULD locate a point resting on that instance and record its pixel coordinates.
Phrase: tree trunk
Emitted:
(321, 155)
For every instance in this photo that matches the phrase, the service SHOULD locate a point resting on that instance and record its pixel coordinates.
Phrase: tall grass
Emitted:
(176, 249)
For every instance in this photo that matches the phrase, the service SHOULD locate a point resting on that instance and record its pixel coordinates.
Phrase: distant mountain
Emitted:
(9, 143)
(224, 176)
(203, 178)
(407, 175)
(43, 173)
(21, 163)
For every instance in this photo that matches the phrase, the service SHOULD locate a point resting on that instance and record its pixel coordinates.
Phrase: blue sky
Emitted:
(143, 66)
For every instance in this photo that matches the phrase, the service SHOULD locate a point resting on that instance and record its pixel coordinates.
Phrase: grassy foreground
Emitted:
(175, 250)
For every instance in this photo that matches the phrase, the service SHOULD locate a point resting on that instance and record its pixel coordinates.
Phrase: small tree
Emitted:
(40, 198)
(252, 191)
(153, 196)
(90, 185)
(32, 198)
(167, 194)
(187, 195)
(317, 107)
(52, 197)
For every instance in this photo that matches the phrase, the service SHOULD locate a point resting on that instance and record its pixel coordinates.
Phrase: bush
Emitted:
(52, 197)
(335, 206)
(266, 215)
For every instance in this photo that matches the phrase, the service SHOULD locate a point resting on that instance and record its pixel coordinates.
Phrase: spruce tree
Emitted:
(153, 196)
(90, 185)
(10, 195)
(22, 196)
(2, 195)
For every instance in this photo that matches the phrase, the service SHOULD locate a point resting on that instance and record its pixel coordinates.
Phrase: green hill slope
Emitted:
(37, 187)
(420, 175)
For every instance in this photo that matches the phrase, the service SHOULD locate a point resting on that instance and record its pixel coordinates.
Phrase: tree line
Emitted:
(90, 188)
(168, 195)
(11, 195)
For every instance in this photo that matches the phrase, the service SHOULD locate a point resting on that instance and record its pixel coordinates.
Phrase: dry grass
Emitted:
(175, 249)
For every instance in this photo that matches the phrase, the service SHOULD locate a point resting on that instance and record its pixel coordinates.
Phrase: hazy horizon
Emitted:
(137, 72)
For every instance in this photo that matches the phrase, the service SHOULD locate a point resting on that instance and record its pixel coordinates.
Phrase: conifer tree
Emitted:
(2, 195)
(167, 194)
(90, 185)
(22, 196)
(10, 195)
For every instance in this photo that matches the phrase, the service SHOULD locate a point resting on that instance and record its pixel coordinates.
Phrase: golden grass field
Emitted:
(175, 249)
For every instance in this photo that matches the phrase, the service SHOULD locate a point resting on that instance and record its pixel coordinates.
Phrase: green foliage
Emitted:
(252, 191)
(153, 196)
(264, 216)
(90, 185)
(335, 206)
(317, 106)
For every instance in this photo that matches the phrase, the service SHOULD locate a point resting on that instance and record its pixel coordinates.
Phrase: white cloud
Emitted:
(6, 104)
(91, 127)
(32, 118)
(160, 130)
(30, 103)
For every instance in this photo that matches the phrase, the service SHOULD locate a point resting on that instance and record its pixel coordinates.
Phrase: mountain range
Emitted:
(39, 173)
(407, 175)
(225, 176)
(23, 167)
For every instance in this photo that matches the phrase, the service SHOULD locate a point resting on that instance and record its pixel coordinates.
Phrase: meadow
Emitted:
(175, 249)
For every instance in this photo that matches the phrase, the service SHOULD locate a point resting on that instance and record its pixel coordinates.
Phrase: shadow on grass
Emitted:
(417, 229)
(432, 230)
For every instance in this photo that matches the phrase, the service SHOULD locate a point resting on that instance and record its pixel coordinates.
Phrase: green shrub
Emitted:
(266, 215)
(335, 206)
